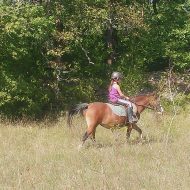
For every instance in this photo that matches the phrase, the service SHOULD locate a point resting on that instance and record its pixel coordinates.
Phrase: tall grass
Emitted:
(45, 156)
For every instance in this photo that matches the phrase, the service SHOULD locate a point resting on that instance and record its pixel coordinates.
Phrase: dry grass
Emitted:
(46, 156)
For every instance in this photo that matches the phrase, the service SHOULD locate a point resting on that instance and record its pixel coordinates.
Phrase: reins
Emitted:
(145, 106)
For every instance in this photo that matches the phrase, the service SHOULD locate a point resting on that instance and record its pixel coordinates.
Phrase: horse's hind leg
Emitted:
(85, 136)
(91, 130)
(93, 137)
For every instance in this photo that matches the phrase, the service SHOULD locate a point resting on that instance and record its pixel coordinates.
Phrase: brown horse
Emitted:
(99, 113)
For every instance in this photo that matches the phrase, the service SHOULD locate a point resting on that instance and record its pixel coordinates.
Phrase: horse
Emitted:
(99, 113)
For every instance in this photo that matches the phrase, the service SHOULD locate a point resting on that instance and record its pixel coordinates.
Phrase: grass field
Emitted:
(45, 156)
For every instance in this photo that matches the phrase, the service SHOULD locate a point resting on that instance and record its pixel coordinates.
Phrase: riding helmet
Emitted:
(116, 75)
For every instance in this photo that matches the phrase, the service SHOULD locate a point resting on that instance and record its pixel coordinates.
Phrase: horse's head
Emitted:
(154, 102)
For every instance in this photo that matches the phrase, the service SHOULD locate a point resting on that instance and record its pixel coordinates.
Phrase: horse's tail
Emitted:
(78, 109)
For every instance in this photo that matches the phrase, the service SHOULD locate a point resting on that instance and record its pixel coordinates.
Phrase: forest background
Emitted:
(56, 53)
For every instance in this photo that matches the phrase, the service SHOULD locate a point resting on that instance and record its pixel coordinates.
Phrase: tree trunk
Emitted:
(111, 34)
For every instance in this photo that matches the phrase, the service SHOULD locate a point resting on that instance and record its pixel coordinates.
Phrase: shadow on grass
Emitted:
(146, 140)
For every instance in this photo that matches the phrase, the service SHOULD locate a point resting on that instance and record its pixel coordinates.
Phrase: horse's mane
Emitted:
(140, 96)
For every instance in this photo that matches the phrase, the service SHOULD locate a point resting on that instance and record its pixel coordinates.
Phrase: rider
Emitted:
(116, 96)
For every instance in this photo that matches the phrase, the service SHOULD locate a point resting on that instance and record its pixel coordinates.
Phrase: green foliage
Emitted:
(56, 53)
(168, 36)
(24, 31)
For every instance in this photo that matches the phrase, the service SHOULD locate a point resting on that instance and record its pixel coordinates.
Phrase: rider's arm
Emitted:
(120, 92)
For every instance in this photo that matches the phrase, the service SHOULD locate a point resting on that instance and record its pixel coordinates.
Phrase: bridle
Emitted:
(149, 107)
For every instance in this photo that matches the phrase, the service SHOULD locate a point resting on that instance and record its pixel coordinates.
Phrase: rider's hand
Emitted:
(127, 97)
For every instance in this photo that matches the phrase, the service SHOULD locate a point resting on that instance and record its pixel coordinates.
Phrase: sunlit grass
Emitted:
(46, 156)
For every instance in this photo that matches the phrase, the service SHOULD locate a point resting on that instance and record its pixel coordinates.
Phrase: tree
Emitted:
(24, 31)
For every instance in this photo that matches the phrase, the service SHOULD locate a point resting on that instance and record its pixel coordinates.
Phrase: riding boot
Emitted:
(130, 114)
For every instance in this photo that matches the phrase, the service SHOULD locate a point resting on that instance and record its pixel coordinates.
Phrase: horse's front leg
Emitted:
(138, 130)
(129, 129)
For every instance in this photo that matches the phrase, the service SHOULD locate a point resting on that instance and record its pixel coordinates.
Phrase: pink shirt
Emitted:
(113, 95)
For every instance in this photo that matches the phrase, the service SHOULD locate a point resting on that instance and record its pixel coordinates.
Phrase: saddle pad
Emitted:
(121, 110)
(118, 109)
